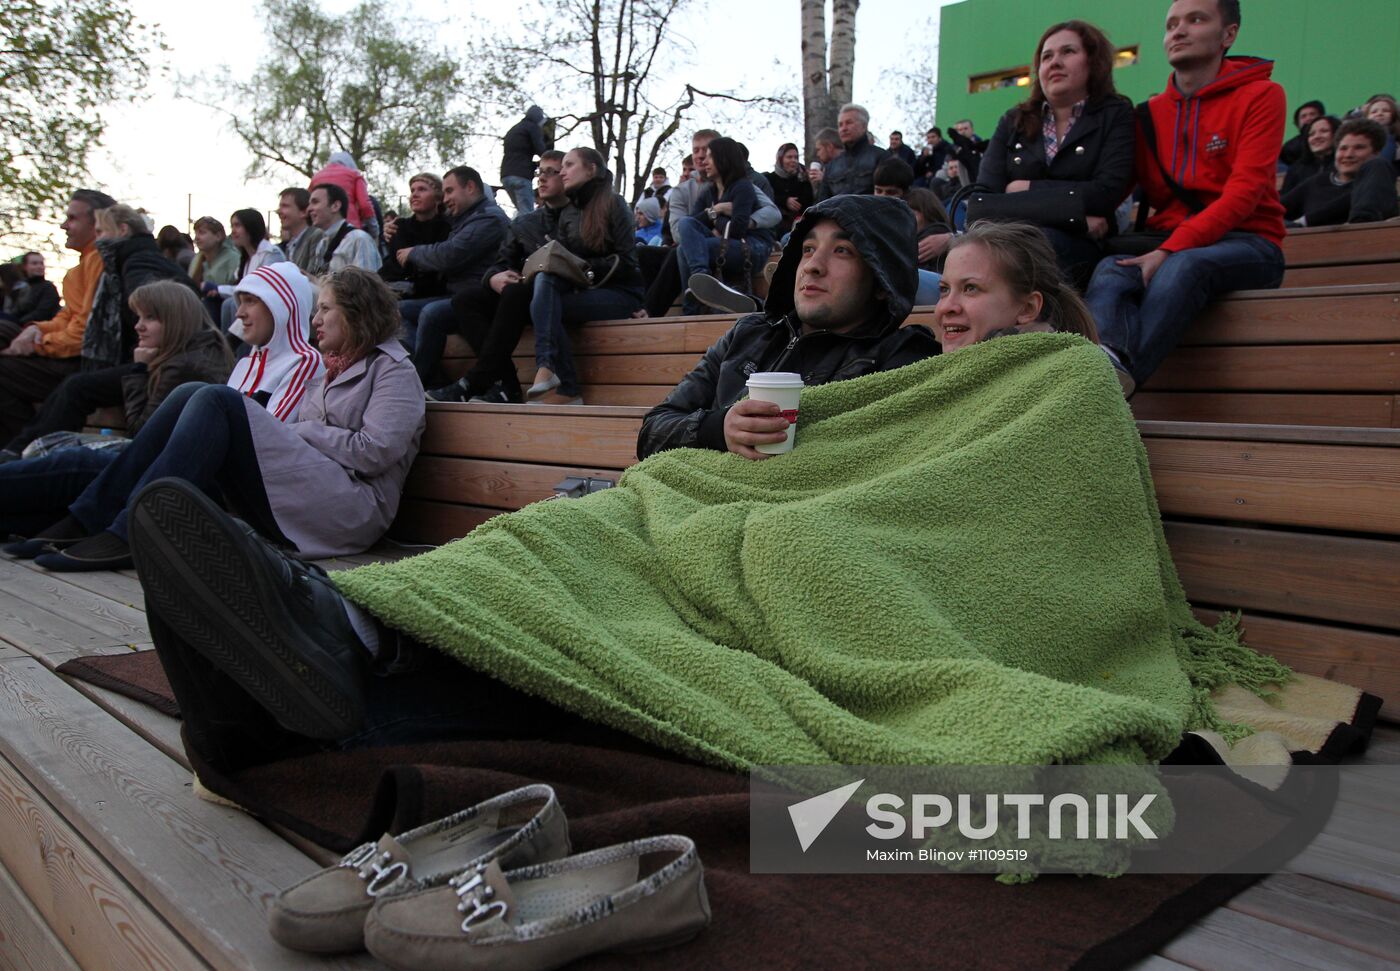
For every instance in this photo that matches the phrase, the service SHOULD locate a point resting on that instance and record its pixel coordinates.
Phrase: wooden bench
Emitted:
(1317, 355)
(1343, 255)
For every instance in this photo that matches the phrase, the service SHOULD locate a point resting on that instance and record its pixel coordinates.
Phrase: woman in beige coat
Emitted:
(327, 482)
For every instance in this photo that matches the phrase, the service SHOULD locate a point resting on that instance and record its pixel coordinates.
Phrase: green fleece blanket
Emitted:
(961, 562)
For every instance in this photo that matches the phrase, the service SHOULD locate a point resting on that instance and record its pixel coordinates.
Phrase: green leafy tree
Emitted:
(364, 82)
(61, 63)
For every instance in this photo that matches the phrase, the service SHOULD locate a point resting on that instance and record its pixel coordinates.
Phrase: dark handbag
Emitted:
(554, 257)
(1053, 209)
(1187, 197)
(1134, 244)
(745, 285)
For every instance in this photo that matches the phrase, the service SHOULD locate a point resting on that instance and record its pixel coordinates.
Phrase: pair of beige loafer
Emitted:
(494, 887)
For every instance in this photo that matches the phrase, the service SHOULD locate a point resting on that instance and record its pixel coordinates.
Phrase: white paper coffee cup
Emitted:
(783, 388)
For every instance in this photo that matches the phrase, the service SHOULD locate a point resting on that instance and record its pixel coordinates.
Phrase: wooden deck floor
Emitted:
(110, 862)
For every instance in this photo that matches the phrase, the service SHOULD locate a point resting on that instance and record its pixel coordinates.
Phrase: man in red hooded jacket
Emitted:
(1210, 182)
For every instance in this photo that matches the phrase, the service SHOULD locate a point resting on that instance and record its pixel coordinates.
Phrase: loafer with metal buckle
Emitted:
(637, 896)
(325, 913)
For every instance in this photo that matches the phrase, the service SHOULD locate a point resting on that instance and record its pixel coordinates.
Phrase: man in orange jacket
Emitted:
(35, 359)
(1206, 166)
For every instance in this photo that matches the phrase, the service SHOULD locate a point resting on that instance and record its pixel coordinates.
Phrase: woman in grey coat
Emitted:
(326, 482)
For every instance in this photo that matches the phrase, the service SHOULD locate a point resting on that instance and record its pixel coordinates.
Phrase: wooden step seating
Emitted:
(1343, 255)
(1318, 355)
(1299, 526)
(107, 860)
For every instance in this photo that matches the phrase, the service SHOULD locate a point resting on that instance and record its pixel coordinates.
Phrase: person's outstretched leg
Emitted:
(210, 446)
(553, 354)
(272, 623)
(435, 322)
(35, 493)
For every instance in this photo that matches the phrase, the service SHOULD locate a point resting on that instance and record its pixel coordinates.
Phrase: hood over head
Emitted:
(882, 229)
(650, 207)
(535, 114)
(284, 366)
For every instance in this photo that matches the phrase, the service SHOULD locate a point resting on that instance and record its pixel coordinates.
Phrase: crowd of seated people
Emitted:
(1065, 160)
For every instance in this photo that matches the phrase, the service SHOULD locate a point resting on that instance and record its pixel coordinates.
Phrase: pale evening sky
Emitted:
(171, 155)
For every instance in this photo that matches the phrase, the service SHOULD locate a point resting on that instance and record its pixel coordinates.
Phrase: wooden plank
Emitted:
(26, 942)
(1227, 938)
(1327, 911)
(1352, 410)
(599, 440)
(130, 805)
(1333, 245)
(1297, 434)
(1341, 487)
(1350, 368)
(96, 915)
(1303, 575)
(1367, 867)
(1347, 275)
(1346, 315)
(426, 521)
(1366, 659)
(498, 485)
(117, 621)
(636, 395)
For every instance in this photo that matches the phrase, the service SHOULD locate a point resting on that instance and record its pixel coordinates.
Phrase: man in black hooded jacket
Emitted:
(845, 284)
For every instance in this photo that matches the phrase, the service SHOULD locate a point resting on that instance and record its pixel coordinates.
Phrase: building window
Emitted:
(1020, 77)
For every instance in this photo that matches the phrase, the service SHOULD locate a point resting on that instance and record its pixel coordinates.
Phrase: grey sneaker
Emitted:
(635, 896)
(326, 912)
(714, 293)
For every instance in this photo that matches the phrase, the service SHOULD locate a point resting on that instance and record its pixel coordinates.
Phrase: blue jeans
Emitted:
(522, 193)
(555, 303)
(927, 294)
(1143, 324)
(412, 310)
(200, 434)
(35, 493)
(698, 249)
(434, 320)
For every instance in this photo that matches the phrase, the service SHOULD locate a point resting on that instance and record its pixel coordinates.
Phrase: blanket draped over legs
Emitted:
(961, 562)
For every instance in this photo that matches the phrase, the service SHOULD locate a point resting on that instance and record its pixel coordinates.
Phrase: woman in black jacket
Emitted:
(791, 189)
(1064, 156)
(596, 225)
(718, 235)
(1320, 138)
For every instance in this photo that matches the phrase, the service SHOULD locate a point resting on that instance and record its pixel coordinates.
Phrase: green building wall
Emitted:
(1339, 51)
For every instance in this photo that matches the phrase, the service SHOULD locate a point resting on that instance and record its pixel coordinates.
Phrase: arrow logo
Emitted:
(811, 816)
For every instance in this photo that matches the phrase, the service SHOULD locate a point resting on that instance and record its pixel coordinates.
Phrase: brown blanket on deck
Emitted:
(615, 788)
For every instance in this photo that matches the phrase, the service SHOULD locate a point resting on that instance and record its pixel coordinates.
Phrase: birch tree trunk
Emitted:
(816, 101)
(843, 53)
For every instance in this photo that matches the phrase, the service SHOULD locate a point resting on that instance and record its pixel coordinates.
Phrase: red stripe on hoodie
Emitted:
(1222, 143)
(296, 387)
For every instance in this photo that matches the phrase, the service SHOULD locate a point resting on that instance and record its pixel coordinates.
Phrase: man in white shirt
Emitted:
(341, 244)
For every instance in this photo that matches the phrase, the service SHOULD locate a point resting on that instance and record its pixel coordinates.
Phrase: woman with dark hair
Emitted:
(248, 231)
(1382, 109)
(718, 236)
(1320, 137)
(597, 226)
(791, 189)
(326, 482)
(931, 220)
(1063, 158)
(176, 246)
